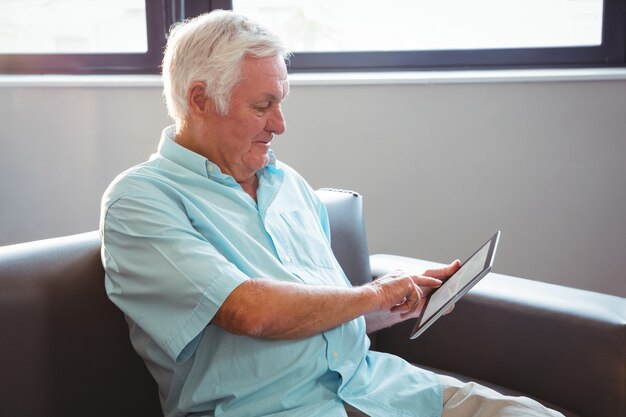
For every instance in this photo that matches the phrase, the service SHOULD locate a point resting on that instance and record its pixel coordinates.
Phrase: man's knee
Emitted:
(475, 400)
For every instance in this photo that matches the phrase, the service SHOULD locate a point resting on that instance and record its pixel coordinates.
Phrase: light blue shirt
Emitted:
(179, 235)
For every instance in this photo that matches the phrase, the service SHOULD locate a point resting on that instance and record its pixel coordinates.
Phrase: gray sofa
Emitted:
(65, 349)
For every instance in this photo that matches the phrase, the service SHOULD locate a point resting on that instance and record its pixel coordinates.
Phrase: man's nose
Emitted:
(276, 122)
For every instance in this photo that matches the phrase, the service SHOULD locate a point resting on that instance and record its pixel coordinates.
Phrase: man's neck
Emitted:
(250, 186)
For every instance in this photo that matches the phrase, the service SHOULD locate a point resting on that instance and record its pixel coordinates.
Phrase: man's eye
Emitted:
(262, 107)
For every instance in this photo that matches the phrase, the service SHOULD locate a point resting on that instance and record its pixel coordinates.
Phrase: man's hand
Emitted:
(406, 294)
(285, 310)
(443, 274)
(401, 292)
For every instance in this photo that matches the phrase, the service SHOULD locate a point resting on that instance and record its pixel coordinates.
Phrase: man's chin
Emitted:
(258, 162)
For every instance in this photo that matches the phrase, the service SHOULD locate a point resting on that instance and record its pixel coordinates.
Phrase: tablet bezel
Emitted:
(420, 327)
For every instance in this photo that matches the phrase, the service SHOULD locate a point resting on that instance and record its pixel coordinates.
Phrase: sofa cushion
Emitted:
(65, 348)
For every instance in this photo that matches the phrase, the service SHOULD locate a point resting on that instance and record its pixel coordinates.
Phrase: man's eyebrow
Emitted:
(272, 98)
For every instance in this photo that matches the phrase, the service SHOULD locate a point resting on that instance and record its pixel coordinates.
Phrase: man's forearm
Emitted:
(282, 310)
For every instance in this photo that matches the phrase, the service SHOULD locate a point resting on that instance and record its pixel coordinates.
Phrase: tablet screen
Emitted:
(459, 280)
(472, 270)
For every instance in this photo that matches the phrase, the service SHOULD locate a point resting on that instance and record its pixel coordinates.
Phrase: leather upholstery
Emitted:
(562, 346)
(347, 233)
(65, 349)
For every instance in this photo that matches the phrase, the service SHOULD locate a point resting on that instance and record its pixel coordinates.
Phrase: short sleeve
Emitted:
(165, 277)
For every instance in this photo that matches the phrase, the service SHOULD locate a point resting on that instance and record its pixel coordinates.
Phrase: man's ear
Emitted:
(197, 100)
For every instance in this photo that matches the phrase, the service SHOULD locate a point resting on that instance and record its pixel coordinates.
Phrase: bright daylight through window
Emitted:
(402, 25)
(128, 36)
(72, 26)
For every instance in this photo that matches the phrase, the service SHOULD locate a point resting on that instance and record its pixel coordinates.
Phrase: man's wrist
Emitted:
(369, 298)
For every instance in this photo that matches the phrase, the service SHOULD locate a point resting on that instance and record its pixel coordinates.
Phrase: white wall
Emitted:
(60, 149)
(441, 166)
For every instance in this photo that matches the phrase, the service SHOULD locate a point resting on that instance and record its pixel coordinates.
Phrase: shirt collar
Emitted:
(169, 149)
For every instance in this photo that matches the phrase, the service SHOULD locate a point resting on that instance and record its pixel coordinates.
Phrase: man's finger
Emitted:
(426, 281)
(444, 272)
(410, 303)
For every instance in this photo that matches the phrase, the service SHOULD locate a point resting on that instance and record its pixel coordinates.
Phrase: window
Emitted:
(128, 36)
(417, 34)
(81, 36)
(73, 26)
(352, 25)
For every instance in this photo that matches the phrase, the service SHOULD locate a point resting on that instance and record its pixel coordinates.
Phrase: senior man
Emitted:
(219, 256)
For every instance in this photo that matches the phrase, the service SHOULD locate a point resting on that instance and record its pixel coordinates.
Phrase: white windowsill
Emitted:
(458, 77)
(348, 78)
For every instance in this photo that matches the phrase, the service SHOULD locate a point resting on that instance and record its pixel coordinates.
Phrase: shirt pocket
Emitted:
(308, 241)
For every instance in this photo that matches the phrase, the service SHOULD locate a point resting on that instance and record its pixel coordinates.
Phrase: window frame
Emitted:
(161, 14)
(158, 18)
(610, 53)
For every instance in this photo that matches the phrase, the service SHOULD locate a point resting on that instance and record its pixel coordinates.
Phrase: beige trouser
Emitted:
(462, 399)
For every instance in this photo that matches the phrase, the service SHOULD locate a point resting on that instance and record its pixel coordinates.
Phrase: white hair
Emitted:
(209, 48)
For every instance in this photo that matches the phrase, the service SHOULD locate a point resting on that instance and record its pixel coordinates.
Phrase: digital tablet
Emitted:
(471, 271)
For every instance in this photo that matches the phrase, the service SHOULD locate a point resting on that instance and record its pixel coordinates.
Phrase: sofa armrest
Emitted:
(559, 344)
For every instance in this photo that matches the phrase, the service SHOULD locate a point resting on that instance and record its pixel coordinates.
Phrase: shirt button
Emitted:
(335, 355)
(287, 259)
(209, 168)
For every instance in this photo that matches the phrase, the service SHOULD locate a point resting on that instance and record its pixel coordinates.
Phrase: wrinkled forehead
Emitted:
(268, 73)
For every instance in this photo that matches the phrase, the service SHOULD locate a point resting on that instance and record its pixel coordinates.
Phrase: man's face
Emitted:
(241, 139)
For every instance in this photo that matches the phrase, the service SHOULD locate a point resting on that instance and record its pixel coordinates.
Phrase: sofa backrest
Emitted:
(65, 348)
(347, 233)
